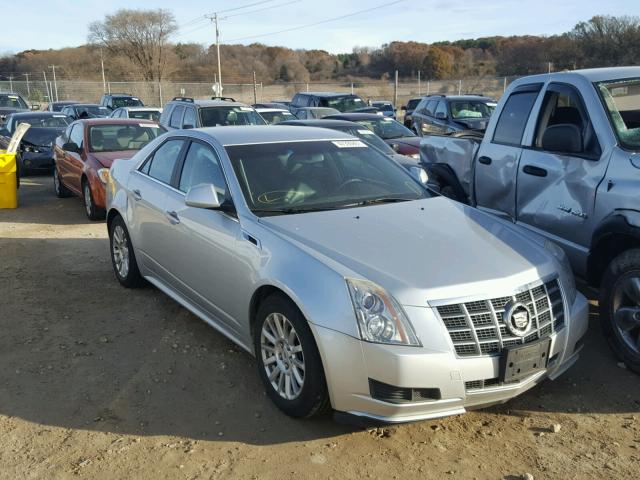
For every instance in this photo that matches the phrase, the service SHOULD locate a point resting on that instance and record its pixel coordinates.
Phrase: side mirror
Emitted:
(562, 138)
(441, 115)
(35, 107)
(202, 196)
(71, 147)
(403, 108)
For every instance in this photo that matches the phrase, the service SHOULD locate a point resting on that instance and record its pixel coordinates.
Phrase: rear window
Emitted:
(413, 103)
(347, 103)
(114, 138)
(513, 118)
(145, 115)
(118, 102)
(225, 116)
(44, 121)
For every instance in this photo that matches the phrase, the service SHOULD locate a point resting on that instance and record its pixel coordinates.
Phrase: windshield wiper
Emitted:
(292, 210)
(373, 201)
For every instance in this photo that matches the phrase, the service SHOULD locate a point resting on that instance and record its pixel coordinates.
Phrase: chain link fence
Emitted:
(158, 93)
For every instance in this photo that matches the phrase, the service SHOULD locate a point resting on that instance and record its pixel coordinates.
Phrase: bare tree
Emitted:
(140, 35)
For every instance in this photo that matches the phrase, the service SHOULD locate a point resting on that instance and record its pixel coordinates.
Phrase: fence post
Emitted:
(395, 90)
(160, 92)
(307, 87)
(261, 93)
(428, 86)
(109, 87)
(504, 85)
(351, 88)
(255, 88)
(419, 83)
(459, 87)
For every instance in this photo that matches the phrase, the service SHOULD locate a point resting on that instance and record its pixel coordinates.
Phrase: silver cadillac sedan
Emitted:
(354, 286)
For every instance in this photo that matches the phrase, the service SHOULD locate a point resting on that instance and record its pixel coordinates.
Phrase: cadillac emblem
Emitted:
(517, 319)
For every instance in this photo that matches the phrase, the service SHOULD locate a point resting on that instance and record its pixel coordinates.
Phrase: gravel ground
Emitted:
(102, 382)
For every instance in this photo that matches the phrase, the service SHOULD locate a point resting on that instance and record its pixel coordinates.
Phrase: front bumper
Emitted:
(42, 160)
(350, 363)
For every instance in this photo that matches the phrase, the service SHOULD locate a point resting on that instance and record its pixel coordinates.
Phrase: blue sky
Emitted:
(61, 23)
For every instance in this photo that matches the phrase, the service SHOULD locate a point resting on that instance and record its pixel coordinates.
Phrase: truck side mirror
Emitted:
(562, 138)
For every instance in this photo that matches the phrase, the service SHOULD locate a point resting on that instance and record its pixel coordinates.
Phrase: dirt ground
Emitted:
(97, 381)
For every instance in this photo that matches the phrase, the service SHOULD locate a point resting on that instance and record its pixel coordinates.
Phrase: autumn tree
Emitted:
(140, 35)
(608, 41)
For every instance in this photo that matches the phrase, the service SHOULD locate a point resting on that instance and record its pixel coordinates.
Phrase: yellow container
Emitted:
(8, 180)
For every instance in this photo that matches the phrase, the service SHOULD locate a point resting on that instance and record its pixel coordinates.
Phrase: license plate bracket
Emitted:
(521, 361)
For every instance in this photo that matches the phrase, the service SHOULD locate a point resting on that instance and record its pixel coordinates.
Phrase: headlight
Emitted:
(103, 175)
(420, 174)
(566, 273)
(380, 318)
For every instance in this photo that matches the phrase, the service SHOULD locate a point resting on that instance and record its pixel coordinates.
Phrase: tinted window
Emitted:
(190, 119)
(441, 109)
(161, 165)
(12, 101)
(431, 107)
(77, 135)
(152, 115)
(413, 103)
(126, 102)
(513, 118)
(176, 117)
(201, 165)
(166, 114)
(224, 116)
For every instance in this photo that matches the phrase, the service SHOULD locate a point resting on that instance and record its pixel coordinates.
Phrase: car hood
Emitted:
(432, 249)
(41, 136)
(106, 158)
(474, 123)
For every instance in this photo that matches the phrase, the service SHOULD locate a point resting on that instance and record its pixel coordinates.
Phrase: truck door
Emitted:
(559, 173)
(497, 163)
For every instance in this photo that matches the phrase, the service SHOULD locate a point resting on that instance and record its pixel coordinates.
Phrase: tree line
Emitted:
(137, 44)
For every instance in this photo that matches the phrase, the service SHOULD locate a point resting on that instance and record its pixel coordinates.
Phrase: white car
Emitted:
(143, 113)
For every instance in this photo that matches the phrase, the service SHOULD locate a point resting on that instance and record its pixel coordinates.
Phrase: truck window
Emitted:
(431, 107)
(513, 118)
(441, 109)
(563, 106)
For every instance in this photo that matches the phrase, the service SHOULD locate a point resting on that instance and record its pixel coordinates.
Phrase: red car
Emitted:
(85, 151)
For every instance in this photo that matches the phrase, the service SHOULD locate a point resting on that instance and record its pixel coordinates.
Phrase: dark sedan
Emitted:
(35, 154)
(58, 106)
(397, 136)
(11, 103)
(82, 111)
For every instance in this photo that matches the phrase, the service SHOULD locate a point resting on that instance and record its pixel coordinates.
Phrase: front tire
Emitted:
(93, 212)
(620, 307)
(288, 359)
(123, 257)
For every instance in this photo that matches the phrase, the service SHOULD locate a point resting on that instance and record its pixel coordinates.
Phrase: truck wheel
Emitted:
(620, 307)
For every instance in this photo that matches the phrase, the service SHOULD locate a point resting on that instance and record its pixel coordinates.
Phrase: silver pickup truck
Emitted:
(561, 157)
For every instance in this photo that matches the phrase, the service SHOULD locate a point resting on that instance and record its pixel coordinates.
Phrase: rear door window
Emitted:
(514, 116)
(161, 165)
(202, 166)
(430, 108)
(441, 109)
(77, 135)
(190, 120)
(176, 117)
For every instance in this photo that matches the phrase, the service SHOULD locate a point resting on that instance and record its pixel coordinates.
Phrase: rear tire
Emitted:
(59, 188)
(93, 212)
(289, 363)
(617, 292)
(123, 258)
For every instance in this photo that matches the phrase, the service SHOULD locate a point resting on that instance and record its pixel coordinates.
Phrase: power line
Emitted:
(261, 9)
(317, 23)
(244, 6)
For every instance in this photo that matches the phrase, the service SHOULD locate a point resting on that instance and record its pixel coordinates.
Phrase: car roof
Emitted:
(460, 97)
(140, 109)
(321, 122)
(126, 95)
(330, 94)
(41, 113)
(590, 74)
(249, 135)
(354, 117)
(116, 121)
(211, 103)
(269, 110)
(85, 105)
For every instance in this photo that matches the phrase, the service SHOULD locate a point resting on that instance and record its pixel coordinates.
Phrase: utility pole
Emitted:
(214, 19)
(395, 90)
(46, 86)
(419, 83)
(104, 80)
(549, 67)
(255, 88)
(10, 83)
(28, 88)
(55, 83)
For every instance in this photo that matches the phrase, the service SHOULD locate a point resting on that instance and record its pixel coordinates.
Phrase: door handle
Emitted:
(485, 160)
(535, 171)
(136, 194)
(173, 217)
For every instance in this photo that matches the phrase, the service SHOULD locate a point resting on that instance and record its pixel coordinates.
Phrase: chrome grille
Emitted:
(477, 327)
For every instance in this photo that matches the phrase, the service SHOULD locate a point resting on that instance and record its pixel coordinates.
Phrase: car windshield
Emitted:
(343, 104)
(153, 115)
(126, 102)
(277, 117)
(229, 115)
(44, 121)
(119, 137)
(386, 128)
(58, 106)
(470, 109)
(369, 138)
(622, 101)
(92, 111)
(385, 107)
(298, 177)
(12, 101)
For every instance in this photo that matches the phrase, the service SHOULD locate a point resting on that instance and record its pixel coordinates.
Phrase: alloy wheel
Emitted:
(120, 251)
(626, 311)
(282, 356)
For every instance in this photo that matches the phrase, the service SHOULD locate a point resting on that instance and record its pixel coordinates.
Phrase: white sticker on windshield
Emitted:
(150, 125)
(365, 132)
(349, 144)
(246, 109)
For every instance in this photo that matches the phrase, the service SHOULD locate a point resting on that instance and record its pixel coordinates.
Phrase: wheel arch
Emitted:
(617, 233)
(444, 175)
